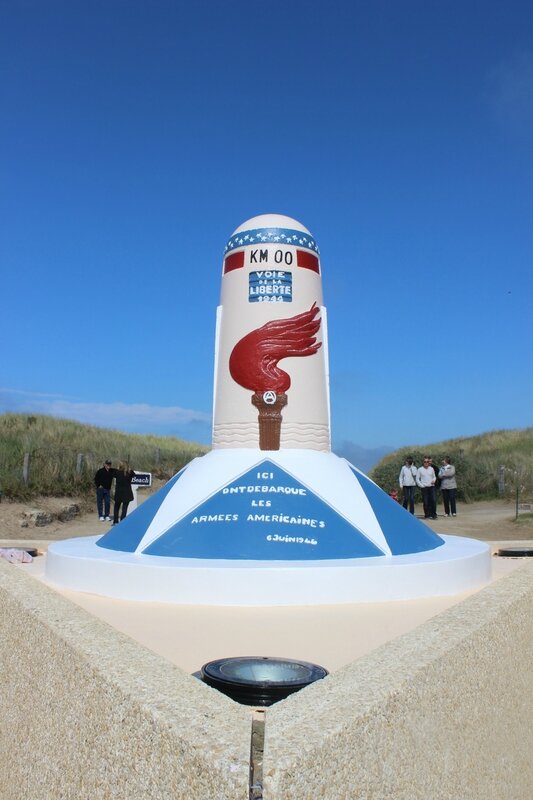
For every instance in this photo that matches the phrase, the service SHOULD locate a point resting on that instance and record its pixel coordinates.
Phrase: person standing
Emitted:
(407, 481)
(437, 482)
(448, 486)
(425, 479)
(123, 491)
(103, 479)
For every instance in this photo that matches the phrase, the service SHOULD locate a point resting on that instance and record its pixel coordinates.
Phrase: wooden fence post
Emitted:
(501, 479)
(79, 463)
(26, 469)
(157, 455)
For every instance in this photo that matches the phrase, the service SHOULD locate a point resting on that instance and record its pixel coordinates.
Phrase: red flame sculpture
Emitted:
(253, 364)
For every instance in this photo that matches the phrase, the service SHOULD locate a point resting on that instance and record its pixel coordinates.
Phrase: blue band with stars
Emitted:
(272, 236)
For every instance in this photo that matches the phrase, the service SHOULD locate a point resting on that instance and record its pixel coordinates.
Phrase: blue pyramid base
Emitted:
(292, 527)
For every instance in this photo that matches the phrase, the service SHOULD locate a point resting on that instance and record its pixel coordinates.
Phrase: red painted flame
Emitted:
(253, 363)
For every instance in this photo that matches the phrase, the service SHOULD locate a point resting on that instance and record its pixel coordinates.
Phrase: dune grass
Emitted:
(478, 461)
(64, 455)
(56, 469)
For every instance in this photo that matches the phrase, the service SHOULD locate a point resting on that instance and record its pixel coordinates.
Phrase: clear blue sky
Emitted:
(136, 136)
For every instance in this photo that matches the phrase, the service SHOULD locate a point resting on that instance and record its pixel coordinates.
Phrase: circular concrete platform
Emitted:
(459, 565)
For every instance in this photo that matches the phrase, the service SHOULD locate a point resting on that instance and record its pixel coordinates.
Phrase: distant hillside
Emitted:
(364, 458)
(62, 456)
(478, 461)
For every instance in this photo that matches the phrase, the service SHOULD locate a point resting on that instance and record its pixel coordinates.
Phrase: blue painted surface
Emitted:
(264, 515)
(270, 286)
(127, 534)
(404, 532)
(280, 236)
(268, 515)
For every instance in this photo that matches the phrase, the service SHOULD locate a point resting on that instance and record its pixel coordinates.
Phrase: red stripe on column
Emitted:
(234, 261)
(307, 260)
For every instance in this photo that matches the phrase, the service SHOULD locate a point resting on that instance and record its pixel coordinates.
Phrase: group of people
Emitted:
(429, 478)
(103, 480)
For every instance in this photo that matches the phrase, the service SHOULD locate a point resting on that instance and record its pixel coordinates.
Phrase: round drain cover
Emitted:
(515, 552)
(260, 681)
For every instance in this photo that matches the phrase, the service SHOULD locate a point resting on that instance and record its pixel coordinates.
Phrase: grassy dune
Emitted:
(54, 446)
(477, 460)
(55, 467)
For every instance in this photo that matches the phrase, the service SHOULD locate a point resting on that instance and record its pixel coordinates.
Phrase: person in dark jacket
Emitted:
(123, 490)
(102, 480)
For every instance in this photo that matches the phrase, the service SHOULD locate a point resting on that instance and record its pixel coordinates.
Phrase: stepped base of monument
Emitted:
(459, 565)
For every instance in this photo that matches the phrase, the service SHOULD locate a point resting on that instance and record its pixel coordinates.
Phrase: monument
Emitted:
(270, 516)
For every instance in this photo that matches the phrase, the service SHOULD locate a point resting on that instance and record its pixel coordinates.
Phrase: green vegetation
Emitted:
(478, 461)
(64, 455)
(524, 519)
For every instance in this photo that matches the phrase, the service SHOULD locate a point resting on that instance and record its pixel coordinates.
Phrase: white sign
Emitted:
(142, 479)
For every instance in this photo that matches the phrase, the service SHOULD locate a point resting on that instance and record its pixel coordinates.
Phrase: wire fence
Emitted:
(480, 476)
(69, 472)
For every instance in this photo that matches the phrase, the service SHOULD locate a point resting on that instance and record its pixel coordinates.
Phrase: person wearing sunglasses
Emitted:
(425, 480)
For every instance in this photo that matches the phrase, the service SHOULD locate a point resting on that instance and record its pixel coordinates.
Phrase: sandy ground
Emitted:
(333, 636)
(329, 635)
(15, 516)
(489, 521)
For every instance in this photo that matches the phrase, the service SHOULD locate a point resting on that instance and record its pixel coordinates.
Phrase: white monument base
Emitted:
(79, 564)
